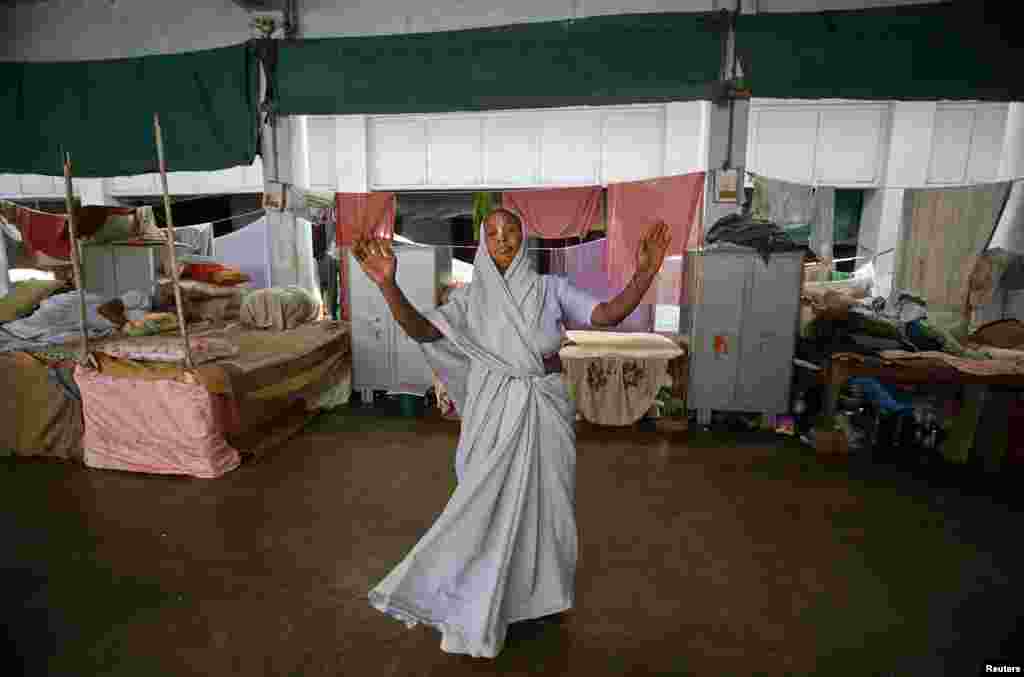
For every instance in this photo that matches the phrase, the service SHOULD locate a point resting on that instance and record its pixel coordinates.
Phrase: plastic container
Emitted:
(411, 406)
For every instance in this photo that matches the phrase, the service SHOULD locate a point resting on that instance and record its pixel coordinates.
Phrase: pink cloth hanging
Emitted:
(634, 206)
(358, 214)
(556, 213)
(364, 213)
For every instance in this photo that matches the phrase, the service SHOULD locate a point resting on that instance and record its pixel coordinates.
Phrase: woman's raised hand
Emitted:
(376, 258)
(653, 248)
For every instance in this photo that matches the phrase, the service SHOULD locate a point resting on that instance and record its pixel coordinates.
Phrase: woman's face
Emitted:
(504, 237)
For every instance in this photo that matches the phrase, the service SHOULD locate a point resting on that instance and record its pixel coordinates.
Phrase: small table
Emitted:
(615, 377)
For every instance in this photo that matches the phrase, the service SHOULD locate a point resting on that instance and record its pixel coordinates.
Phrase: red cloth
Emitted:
(359, 214)
(46, 233)
(635, 206)
(556, 213)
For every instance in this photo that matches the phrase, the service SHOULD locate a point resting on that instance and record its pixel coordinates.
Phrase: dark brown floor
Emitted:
(698, 555)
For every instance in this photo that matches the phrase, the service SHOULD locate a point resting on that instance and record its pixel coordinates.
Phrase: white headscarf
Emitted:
(494, 321)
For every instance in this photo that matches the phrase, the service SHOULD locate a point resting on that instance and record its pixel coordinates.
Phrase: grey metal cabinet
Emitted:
(744, 316)
(383, 357)
(111, 270)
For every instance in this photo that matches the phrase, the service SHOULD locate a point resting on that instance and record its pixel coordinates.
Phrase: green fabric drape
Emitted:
(939, 51)
(102, 113)
(599, 60)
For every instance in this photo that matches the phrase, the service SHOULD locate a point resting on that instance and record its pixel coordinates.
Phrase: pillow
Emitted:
(167, 349)
(151, 324)
(25, 296)
(196, 290)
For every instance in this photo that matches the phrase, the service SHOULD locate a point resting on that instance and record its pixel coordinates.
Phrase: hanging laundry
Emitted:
(45, 233)
(198, 237)
(360, 214)
(936, 265)
(634, 206)
(100, 223)
(793, 207)
(556, 213)
(364, 213)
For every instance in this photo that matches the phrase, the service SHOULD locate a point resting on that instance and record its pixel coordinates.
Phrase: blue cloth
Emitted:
(876, 393)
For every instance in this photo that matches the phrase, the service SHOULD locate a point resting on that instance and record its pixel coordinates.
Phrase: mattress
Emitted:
(159, 418)
(268, 363)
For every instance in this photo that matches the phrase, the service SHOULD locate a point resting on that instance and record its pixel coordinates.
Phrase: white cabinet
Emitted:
(743, 327)
(383, 357)
(110, 270)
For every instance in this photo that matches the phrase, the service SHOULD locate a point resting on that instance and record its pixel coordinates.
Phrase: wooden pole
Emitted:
(169, 230)
(69, 203)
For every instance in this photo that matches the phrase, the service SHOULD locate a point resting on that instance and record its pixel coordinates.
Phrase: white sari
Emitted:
(505, 547)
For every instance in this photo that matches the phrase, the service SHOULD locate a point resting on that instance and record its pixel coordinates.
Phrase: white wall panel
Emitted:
(634, 145)
(399, 152)
(10, 184)
(322, 152)
(1011, 166)
(141, 184)
(850, 144)
(910, 139)
(36, 184)
(571, 147)
(785, 142)
(951, 140)
(351, 153)
(986, 142)
(512, 149)
(455, 151)
(686, 137)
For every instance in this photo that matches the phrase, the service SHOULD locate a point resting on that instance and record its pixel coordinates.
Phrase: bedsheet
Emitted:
(266, 359)
(160, 427)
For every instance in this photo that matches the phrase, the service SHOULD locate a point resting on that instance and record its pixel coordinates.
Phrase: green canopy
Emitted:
(102, 113)
(954, 51)
(600, 60)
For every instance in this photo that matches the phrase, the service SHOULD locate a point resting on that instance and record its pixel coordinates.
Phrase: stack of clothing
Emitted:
(876, 326)
(746, 231)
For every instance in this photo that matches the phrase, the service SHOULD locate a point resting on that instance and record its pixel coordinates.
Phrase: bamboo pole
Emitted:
(76, 266)
(169, 230)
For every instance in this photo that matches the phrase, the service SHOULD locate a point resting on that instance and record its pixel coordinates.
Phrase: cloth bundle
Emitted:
(279, 308)
(764, 236)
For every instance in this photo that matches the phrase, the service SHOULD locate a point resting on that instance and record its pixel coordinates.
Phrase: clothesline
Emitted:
(236, 216)
(889, 186)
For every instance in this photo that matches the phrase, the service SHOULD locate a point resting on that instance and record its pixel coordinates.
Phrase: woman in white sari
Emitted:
(504, 548)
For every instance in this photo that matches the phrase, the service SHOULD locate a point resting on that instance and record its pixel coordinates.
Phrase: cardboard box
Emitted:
(831, 442)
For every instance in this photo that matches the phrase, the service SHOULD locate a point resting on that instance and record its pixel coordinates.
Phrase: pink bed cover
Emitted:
(161, 427)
